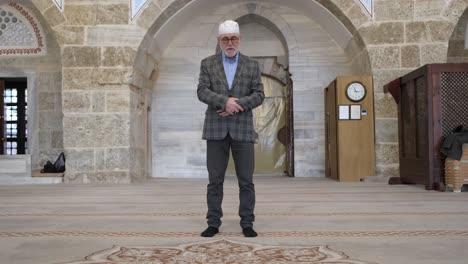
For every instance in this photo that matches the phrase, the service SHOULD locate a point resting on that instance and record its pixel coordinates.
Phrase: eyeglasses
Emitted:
(234, 40)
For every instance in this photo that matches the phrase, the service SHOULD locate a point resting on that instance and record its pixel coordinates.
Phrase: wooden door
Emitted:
(2, 118)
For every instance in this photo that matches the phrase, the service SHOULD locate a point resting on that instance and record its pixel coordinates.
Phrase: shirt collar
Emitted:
(226, 58)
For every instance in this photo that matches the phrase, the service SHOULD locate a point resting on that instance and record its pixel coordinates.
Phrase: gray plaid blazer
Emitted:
(213, 90)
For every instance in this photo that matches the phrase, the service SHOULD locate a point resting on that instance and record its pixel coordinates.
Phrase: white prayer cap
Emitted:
(228, 27)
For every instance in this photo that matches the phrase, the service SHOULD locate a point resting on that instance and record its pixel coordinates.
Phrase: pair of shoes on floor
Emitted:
(211, 231)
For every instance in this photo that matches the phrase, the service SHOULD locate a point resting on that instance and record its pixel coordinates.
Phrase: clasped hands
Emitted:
(232, 108)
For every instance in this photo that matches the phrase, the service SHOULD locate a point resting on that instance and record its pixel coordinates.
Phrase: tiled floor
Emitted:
(321, 219)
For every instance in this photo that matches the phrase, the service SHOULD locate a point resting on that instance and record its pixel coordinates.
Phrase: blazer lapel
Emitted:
(220, 69)
(238, 70)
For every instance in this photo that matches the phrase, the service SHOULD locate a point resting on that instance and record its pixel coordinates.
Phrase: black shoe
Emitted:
(210, 232)
(249, 232)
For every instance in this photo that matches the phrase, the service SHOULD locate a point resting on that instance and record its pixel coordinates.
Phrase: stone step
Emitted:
(14, 180)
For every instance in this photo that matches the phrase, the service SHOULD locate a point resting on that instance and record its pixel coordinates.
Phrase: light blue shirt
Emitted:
(230, 67)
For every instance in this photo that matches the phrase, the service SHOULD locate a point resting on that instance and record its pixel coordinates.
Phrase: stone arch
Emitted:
(150, 53)
(43, 71)
(152, 18)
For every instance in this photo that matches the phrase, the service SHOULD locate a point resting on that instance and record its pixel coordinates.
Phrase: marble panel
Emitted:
(386, 57)
(46, 101)
(433, 53)
(49, 82)
(112, 14)
(57, 139)
(81, 57)
(385, 10)
(83, 130)
(50, 120)
(118, 56)
(15, 165)
(70, 35)
(174, 121)
(174, 7)
(45, 140)
(410, 57)
(383, 33)
(197, 37)
(115, 35)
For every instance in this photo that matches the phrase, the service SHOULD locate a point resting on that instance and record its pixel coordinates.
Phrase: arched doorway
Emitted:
(315, 56)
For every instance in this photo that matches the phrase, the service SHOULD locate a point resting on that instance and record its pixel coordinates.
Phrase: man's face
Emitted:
(229, 43)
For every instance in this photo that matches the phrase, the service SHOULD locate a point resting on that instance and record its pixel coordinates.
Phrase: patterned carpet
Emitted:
(299, 220)
(218, 251)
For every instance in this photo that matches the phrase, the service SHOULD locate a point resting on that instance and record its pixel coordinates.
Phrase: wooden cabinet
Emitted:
(433, 100)
(349, 128)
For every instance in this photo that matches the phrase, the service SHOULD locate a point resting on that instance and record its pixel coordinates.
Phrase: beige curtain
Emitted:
(269, 118)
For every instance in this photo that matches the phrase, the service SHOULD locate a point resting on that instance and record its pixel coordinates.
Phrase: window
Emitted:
(14, 116)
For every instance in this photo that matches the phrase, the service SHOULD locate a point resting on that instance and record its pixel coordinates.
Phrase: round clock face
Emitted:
(355, 91)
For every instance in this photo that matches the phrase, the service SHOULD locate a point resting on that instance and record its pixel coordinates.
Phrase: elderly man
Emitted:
(230, 84)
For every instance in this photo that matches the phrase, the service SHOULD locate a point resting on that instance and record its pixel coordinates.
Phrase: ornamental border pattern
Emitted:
(275, 234)
(37, 31)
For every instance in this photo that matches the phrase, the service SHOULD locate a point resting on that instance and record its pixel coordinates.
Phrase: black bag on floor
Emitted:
(57, 167)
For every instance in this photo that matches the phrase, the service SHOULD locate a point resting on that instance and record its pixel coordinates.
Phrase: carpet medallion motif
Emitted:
(218, 251)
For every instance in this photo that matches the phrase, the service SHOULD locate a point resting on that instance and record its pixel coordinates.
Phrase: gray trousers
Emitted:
(217, 161)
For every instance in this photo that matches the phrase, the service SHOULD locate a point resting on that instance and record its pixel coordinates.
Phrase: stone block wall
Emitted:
(107, 64)
(44, 84)
(98, 47)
